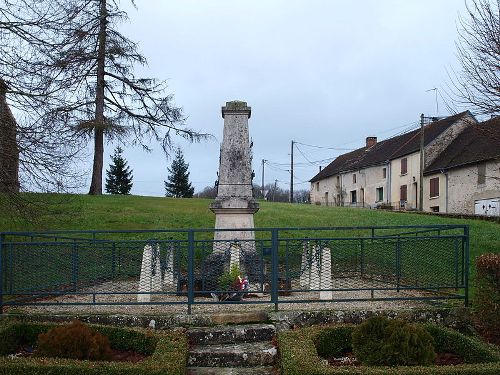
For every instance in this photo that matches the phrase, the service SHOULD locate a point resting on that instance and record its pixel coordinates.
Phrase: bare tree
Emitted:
(79, 60)
(108, 99)
(477, 83)
(207, 192)
(36, 150)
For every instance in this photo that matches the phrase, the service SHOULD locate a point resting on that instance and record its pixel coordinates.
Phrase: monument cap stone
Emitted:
(236, 107)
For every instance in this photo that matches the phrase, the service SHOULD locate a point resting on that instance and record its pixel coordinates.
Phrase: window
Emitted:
(481, 174)
(384, 172)
(435, 209)
(353, 196)
(380, 194)
(317, 186)
(338, 181)
(354, 178)
(434, 187)
(403, 193)
(404, 166)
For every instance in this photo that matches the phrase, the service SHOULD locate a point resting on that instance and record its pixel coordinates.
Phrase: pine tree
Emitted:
(178, 185)
(119, 176)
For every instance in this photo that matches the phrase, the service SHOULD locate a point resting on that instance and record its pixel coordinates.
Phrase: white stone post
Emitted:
(314, 274)
(234, 256)
(326, 274)
(305, 266)
(169, 280)
(150, 279)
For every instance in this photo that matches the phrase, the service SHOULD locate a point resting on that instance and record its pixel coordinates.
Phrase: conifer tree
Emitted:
(119, 175)
(178, 185)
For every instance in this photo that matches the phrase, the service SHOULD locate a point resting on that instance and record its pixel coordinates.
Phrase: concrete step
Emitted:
(233, 355)
(231, 334)
(258, 370)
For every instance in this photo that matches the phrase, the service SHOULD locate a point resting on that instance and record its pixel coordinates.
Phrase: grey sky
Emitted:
(323, 73)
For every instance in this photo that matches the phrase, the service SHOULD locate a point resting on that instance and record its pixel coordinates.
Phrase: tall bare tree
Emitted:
(109, 100)
(85, 65)
(37, 149)
(477, 83)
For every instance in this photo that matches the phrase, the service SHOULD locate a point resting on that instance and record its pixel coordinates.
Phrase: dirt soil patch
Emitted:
(116, 355)
(349, 359)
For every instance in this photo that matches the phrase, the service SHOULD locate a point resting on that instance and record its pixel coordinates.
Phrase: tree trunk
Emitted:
(9, 151)
(96, 184)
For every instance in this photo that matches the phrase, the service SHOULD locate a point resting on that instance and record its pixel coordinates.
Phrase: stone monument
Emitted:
(235, 206)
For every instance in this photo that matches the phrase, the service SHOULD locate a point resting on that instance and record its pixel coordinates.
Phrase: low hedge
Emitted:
(167, 352)
(299, 353)
(487, 296)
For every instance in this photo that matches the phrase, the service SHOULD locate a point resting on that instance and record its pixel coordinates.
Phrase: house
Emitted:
(386, 172)
(465, 177)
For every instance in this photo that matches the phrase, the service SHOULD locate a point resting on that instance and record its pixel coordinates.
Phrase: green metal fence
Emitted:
(188, 267)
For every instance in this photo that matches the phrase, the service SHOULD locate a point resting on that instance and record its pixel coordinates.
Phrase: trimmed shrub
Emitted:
(487, 297)
(333, 342)
(383, 342)
(74, 340)
(299, 355)
(470, 349)
(167, 350)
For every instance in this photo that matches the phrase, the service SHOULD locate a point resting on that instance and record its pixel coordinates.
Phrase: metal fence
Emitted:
(189, 267)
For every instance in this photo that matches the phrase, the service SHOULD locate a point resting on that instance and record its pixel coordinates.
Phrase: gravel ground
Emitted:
(256, 302)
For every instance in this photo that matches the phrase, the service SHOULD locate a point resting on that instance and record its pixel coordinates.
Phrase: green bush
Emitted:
(227, 279)
(470, 349)
(383, 342)
(487, 297)
(300, 357)
(74, 340)
(167, 350)
(333, 342)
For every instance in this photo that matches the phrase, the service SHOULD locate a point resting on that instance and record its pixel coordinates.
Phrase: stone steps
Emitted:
(231, 334)
(240, 349)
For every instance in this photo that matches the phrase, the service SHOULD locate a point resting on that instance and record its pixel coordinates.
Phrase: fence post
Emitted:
(398, 263)
(190, 280)
(113, 261)
(74, 265)
(455, 261)
(274, 268)
(466, 233)
(2, 240)
(362, 257)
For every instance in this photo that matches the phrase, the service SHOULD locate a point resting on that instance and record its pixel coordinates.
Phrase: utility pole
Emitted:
(274, 190)
(291, 174)
(422, 162)
(263, 163)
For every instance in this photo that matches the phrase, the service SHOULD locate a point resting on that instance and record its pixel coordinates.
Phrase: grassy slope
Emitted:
(135, 212)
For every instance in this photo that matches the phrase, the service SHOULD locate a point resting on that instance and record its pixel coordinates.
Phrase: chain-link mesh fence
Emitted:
(189, 267)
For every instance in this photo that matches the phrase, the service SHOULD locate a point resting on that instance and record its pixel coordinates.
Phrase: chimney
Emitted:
(371, 141)
(320, 168)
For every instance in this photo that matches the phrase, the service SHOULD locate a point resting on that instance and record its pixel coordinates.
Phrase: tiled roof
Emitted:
(476, 143)
(388, 149)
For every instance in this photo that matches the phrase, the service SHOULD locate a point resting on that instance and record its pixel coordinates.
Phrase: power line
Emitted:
(324, 147)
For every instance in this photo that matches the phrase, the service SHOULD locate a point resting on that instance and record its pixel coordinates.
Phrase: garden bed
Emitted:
(304, 351)
(134, 351)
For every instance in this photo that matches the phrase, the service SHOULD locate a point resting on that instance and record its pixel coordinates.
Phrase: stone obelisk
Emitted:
(235, 206)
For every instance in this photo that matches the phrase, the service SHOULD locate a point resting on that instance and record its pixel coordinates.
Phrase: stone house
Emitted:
(465, 177)
(387, 172)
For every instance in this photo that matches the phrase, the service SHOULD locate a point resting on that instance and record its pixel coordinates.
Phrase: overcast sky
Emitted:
(323, 73)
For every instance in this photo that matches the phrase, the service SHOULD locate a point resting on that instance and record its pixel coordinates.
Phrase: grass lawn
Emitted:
(83, 212)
